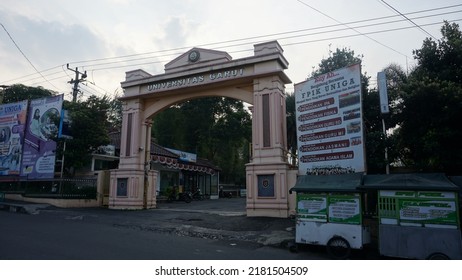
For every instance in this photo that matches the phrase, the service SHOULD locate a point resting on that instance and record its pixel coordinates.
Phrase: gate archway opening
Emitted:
(258, 80)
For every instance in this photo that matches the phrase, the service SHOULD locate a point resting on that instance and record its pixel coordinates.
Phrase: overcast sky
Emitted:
(109, 37)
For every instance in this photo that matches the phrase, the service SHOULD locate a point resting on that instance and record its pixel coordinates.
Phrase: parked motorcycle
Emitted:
(197, 195)
(183, 196)
(225, 194)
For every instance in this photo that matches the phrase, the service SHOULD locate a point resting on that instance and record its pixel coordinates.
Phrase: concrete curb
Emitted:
(220, 213)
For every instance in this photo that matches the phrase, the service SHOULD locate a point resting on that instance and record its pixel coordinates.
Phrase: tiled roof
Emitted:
(160, 151)
(156, 149)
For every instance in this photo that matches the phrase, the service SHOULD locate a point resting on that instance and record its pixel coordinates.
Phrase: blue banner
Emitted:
(39, 155)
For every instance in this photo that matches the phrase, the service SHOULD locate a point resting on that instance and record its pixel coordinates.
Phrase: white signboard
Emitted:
(382, 83)
(329, 123)
(184, 156)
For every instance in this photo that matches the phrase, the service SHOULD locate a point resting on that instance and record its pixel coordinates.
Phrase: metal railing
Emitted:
(75, 188)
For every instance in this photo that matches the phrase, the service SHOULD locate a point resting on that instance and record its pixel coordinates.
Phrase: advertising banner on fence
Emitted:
(329, 123)
(39, 147)
(12, 124)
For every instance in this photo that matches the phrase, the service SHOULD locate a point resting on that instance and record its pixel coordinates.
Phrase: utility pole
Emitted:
(76, 82)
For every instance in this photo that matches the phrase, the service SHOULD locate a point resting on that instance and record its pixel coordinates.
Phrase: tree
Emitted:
(19, 92)
(89, 129)
(376, 141)
(441, 60)
(338, 59)
(431, 108)
(292, 142)
(215, 128)
(114, 114)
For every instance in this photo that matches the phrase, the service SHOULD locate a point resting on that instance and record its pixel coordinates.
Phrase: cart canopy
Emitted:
(456, 180)
(413, 181)
(345, 183)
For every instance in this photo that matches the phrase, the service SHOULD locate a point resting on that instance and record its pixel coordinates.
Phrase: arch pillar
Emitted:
(268, 172)
(132, 186)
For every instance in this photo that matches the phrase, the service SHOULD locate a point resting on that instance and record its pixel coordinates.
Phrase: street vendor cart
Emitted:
(418, 215)
(329, 213)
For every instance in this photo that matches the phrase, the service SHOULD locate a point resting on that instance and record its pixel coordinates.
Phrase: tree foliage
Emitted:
(338, 59)
(215, 128)
(292, 142)
(19, 92)
(431, 109)
(89, 129)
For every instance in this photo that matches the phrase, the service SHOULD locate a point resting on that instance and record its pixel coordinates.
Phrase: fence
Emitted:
(81, 188)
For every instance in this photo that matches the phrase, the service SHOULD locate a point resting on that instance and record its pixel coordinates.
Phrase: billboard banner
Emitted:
(329, 123)
(39, 147)
(12, 124)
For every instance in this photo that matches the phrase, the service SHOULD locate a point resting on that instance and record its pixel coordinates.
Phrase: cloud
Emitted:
(37, 39)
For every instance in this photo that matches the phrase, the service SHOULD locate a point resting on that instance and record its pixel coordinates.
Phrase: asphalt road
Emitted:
(101, 234)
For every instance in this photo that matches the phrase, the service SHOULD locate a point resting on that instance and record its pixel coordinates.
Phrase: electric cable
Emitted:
(237, 40)
(175, 51)
(24, 55)
(410, 20)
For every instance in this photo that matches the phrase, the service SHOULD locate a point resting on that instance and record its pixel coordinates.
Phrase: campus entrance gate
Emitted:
(258, 80)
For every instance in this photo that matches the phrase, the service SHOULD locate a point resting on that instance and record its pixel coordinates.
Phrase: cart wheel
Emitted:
(437, 256)
(293, 247)
(338, 248)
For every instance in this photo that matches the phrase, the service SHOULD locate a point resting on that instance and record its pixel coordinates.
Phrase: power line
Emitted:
(242, 39)
(24, 55)
(171, 52)
(254, 42)
(326, 15)
(262, 36)
(32, 74)
(280, 38)
(285, 44)
(408, 19)
(368, 33)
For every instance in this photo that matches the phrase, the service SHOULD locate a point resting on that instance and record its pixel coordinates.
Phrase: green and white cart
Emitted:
(329, 213)
(418, 215)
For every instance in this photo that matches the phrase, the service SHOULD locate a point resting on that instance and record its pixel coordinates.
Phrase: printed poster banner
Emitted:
(312, 207)
(428, 212)
(344, 209)
(329, 123)
(423, 207)
(39, 148)
(12, 124)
